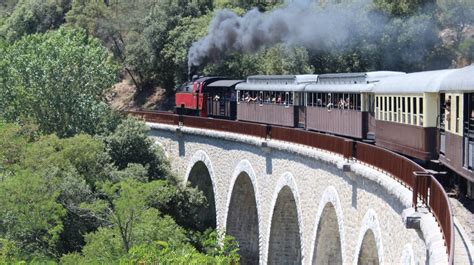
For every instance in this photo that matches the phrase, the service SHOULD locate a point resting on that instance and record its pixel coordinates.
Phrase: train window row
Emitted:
(350, 101)
(269, 97)
(401, 109)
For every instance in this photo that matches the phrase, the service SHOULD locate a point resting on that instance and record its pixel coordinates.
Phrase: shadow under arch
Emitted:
(328, 236)
(368, 250)
(285, 242)
(327, 248)
(242, 219)
(200, 178)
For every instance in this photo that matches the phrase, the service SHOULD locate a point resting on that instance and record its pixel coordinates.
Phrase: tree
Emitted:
(137, 31)
(281, 59)
(456, 15)
(12, 147)
(76, 165)
(402, 7)
(467, 49)
(30, 216)
(131, 220)
(57, 80)
(131, 144)
(30, 16)
(6, 7)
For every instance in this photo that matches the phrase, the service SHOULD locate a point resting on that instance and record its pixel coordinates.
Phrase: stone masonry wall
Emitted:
(362, 199)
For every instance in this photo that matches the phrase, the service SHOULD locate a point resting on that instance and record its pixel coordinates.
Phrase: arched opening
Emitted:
(200, 178)
(242, 219)
(284, 244)
(327, 248)
(368, 250)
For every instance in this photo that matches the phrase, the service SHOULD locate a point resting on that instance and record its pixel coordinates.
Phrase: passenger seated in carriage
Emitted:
(342, 103)
(268, 99)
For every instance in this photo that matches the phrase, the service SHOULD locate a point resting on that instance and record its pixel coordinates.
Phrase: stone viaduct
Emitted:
(291, 204)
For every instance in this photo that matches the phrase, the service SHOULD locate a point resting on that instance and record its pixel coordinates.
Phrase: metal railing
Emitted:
(424, 186)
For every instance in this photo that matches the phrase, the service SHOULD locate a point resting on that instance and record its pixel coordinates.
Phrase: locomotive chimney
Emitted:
(192, 73)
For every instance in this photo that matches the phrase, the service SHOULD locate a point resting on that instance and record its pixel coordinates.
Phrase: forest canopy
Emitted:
(150, 39)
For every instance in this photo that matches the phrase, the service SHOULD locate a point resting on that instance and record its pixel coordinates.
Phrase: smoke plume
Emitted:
(300, 23)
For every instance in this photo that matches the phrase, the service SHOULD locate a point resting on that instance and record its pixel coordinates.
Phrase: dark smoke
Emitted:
(298, 23)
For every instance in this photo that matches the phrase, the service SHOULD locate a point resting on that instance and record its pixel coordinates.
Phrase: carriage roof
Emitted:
(459, 80)
(284, 83)
(413, 83)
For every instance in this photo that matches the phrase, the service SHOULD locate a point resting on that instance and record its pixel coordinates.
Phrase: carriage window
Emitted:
(414, 106)
(421, 105)
(415, 112)
(421, 110)
(457, 113)
(403, 120)
(286, 99)
(358, 102)
(395, 116)
(448, 112)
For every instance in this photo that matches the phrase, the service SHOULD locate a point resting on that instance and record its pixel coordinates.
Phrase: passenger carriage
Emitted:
(407, 113)
(457, 123)
(277, 100)
(342, 104)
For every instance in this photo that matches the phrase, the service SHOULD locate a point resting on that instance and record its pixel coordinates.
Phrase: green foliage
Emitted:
(137, 32)
(6, 8)
(456, 14)
(30, 215)
(284, 60)
(31, 16)
(56, 80)
(160, 252)
(406, 43)
(80, 155)
(12, 147)
(131, 220)
(180, 38)
(130, 144)
(467, 49)
(402, 7)
(219, 244)
(76, 164)
(8, 251)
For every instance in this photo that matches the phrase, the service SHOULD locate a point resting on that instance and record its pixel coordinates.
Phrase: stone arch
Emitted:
(369, 245)
(200, 174)
(242, 220)
(284, 242)
(328, 239)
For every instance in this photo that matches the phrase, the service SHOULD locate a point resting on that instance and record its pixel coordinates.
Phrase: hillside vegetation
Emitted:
(150, 39)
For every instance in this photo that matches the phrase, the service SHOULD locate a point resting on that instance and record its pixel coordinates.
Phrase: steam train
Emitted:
(427, 116)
